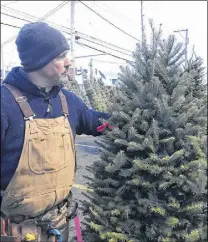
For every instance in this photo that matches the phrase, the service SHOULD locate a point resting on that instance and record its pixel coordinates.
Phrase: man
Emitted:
(39, 121)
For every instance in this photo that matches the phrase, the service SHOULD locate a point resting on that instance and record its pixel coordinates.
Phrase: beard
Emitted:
(61, 79)
(43, 79)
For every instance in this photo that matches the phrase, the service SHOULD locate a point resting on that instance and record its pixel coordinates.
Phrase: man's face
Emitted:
(56, 70)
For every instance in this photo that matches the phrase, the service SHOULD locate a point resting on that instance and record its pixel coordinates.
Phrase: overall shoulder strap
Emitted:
(64, 104)
(21, 100)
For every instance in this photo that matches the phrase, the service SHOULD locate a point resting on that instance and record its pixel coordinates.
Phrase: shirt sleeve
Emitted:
(89, 120)
(4, 121)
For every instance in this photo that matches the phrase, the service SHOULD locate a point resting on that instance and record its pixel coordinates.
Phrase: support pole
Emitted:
(72, 42)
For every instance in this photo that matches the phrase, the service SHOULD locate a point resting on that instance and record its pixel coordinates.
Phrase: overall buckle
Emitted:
(21, 99)
(30, 117)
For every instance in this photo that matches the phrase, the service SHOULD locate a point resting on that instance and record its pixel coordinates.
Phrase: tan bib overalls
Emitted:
(44, 175)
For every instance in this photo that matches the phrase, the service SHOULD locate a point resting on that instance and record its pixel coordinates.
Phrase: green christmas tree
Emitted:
(150, 182)
(195, 66)
(97, 93)
(104, 94)
(89, 91)
(73, 86)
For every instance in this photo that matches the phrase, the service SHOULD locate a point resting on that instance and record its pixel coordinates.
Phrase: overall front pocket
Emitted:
(48, 153)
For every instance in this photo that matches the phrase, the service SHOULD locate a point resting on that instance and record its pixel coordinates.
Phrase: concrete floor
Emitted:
(87, 152)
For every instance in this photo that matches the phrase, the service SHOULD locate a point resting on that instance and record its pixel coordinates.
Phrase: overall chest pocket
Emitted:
(49, 152)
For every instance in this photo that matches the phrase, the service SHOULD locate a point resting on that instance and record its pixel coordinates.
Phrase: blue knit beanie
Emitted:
(38, 44)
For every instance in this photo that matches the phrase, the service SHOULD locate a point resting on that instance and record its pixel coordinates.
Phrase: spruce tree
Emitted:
(73, 86)
(89, 91)
(104, 94)
(97, 93)
(149, 184)
(195, 66)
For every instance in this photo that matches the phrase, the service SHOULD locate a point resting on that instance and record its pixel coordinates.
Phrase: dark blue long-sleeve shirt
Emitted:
(81, 119)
